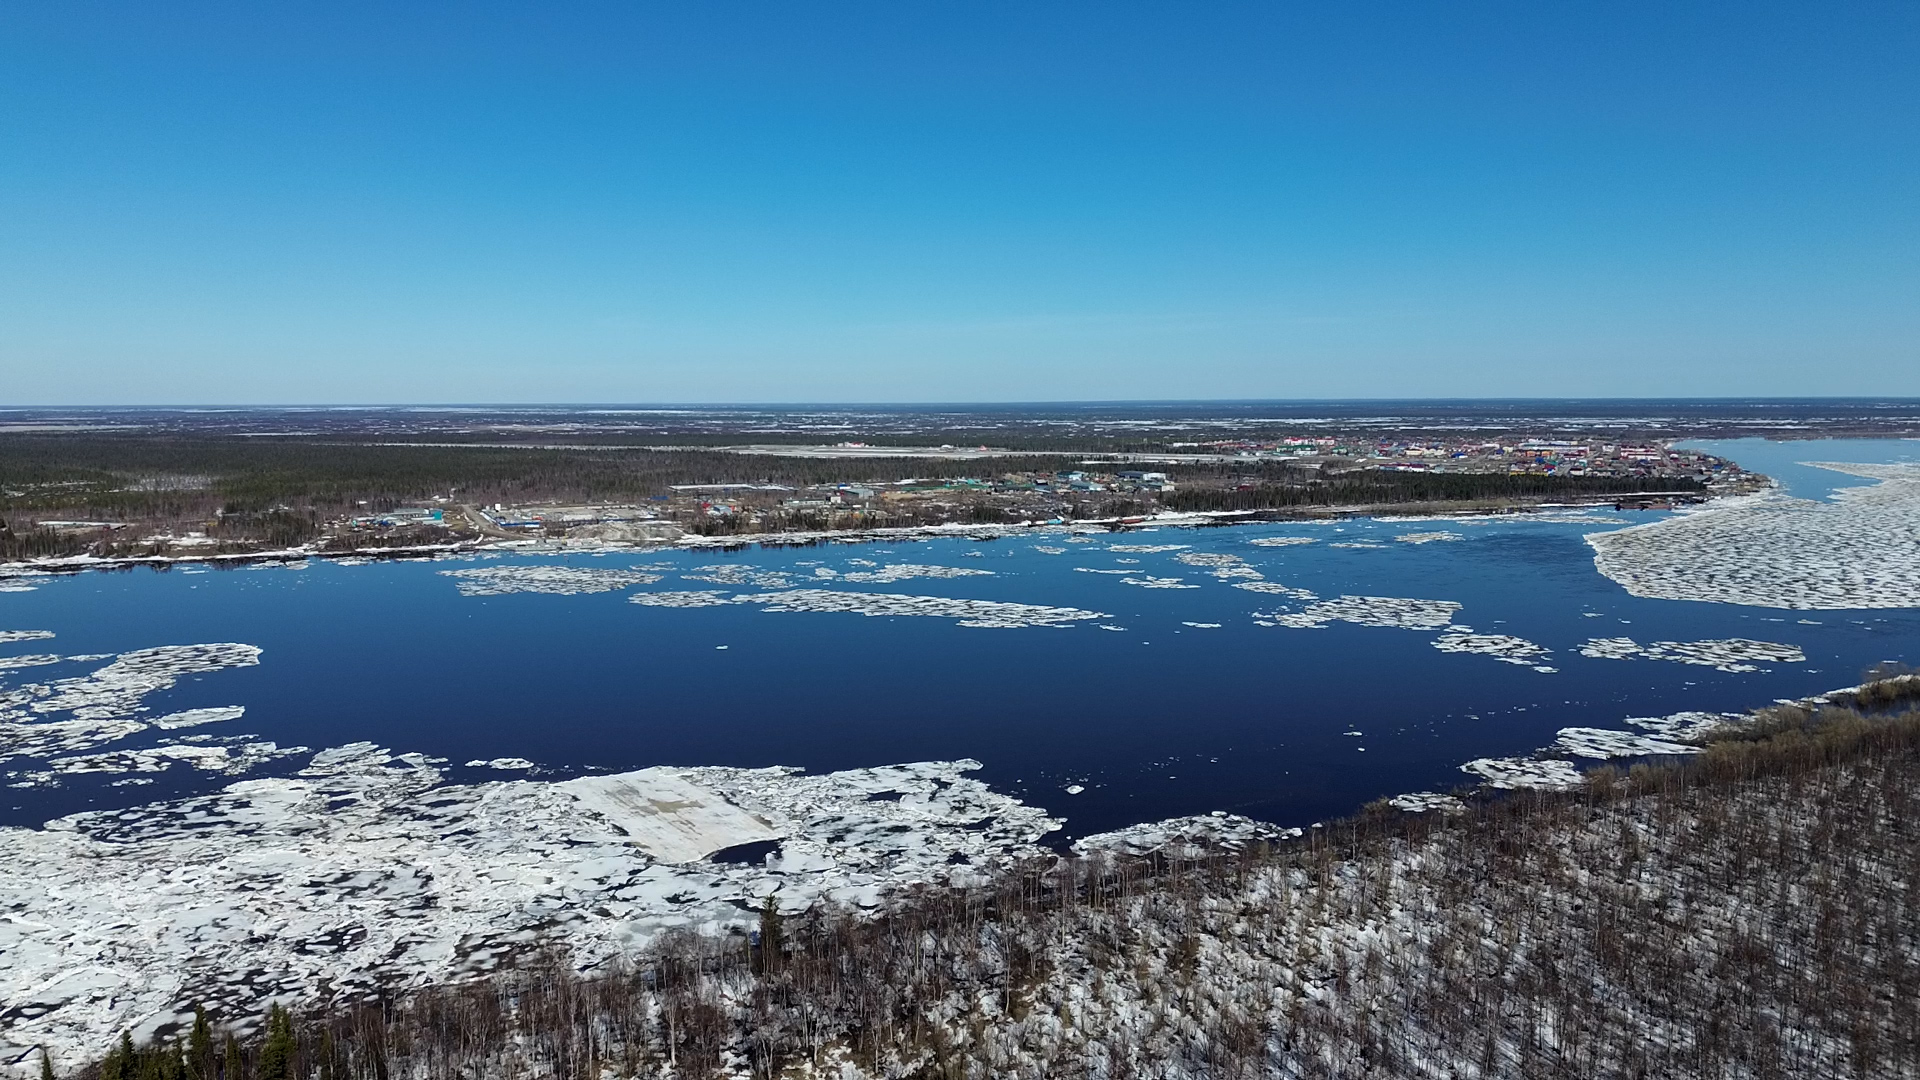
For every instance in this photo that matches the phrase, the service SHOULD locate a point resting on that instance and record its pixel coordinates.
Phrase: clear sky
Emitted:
(395, 202)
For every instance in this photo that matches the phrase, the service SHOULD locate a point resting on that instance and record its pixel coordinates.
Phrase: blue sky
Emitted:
(344, 202)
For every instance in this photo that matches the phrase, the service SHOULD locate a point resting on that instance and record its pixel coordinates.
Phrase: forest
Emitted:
(1747, 912)
(1372, 487)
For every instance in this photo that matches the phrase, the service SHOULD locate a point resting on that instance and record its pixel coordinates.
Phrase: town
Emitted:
(175, 491)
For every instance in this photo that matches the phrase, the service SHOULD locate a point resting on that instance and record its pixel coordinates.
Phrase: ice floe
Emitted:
(1222, 566)
(1274, 588)
(997, 614)
(1186, 837)
(1548, 774)
(683, 598)
(1202, 625)
(1146, 549)
(108, 704)
(1726, 654)
(10, 663)
(971, 613)
(224, 760)
(187, 718)
(1858, 549)
(8, 637)
(560, 580)
(1357, 544)
(1421, 802)
(1687, 726)
(741, 574)
(118, 688)
(1208, 558)
(1441, 536)
(1604, 743)
(887, 575)
(1092, 570)
(504, 764)
(1389, 611)
(1513, 650)
(1280, 541)
(1049, 550)
(366, 871)
(1148, 581)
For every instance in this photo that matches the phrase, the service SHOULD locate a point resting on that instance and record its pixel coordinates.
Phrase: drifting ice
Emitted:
(561, 580)
(1726, 654)
(1860, 549)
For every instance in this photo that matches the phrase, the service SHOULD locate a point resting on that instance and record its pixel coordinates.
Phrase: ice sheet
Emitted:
(1859, 549)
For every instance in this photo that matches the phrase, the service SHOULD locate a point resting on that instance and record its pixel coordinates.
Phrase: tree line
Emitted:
(1377, 487)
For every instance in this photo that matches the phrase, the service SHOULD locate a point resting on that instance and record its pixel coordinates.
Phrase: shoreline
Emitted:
(64, 564)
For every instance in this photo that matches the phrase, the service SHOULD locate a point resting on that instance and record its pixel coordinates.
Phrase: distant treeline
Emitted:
(1370, 486)
(242, 474)
(1751, 912)
(148, 477)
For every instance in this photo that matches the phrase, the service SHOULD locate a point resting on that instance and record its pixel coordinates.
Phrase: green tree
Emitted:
(276, 1054)
(200, 1045)
(46, 1065)
(230, 1068)
(120, 1063)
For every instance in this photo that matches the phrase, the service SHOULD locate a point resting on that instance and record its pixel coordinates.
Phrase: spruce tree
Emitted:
(46, 1065)
(120, 1064)
(200, 1045)
(276, 1054)
(231, 1069)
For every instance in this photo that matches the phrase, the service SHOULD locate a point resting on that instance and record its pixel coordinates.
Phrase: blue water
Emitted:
(1784, 461)
(1158, 720)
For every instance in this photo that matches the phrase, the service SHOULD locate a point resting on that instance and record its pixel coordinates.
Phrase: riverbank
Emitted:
(1475, 509)
(1638, 924)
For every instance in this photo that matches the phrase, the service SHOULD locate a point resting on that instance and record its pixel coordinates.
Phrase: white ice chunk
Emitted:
(1505, 647)
(1603, 743)
(1726, 654)
(558, 580)
(196, 717)
(1388, 611)
(1550, 774)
